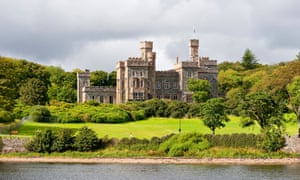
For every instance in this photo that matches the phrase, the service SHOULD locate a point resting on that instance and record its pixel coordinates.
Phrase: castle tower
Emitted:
(146, 49)
(83, 80)
(194, 46)
(136, 76)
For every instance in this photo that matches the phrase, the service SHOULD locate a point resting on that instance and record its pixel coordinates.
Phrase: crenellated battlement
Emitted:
(136, 62)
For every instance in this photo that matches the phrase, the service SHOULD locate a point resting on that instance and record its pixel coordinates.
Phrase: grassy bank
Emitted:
(215, 152)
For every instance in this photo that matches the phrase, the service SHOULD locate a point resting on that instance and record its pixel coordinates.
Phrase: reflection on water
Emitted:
(46, 171)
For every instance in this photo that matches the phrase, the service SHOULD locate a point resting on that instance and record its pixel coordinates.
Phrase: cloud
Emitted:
(96, 34)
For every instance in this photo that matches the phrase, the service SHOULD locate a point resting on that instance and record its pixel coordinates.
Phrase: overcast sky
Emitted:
(96, 34)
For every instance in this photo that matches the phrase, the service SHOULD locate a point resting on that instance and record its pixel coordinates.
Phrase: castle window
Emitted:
(142, 83)
(141, 74)
(111, 99)
(138, 96)
(167, 85)
(174, 97)
(190, 74)
(133, 83)
(175, 85)
(133, 73)
(158, 85)
(101, 99)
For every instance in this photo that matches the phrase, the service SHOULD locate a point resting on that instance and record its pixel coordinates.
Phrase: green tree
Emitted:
(86, 140)
(6, 116)
(261, 108)
(34, 92)
(102, 78)
(213, 113)
(249, 60)
(294, 98)
(201, 89)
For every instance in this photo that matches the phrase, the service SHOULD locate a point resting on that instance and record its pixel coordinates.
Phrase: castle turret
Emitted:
(194, 46)
(83, 80)
(146, 49)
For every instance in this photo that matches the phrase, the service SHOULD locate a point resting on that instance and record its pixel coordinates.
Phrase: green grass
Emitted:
(148, 128)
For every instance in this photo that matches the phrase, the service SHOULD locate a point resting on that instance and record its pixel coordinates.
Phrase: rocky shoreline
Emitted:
(219, 161)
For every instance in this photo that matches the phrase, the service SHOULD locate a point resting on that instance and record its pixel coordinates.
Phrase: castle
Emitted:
(137, 78)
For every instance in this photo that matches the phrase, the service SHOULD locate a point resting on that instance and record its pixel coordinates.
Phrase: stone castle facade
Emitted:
(137, 78)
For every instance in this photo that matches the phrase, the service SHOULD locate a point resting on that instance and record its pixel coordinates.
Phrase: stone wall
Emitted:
(14, 144)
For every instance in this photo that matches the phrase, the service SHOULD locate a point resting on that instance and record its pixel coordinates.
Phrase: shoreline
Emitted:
(208, 161)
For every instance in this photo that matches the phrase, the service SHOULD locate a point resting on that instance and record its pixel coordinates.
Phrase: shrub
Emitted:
(184, 144)
(42, 142)
(234, 140)
(176, 109)
(63, 141)
(272, 139)
(5, 116)
(86, 140)
(154, 107)
(138, 115)
(40, 114)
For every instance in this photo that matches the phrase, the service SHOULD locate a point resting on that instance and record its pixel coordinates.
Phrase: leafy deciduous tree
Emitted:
(261, 108)
(213, 114)
(201, 89)
(34, 92)
(294, 98)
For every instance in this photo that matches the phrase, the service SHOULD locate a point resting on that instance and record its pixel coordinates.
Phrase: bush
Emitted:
(154, 107)
(234, 140)
(40, 114)
(63, 141)
(138, 115)
(184, 144)
(42, 142)
(176, 109)
(272, 139)
(5, 117)
(86, 140)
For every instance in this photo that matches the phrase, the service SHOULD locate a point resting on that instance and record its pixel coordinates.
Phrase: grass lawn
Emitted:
(149, 128)
(143, 129)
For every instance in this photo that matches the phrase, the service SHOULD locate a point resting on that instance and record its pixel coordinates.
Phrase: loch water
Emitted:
(68, 171)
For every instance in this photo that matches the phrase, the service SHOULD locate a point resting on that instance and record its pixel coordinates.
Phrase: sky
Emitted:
(96, 34)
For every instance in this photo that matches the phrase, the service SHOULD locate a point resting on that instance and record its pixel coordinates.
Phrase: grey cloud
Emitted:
(67, 31)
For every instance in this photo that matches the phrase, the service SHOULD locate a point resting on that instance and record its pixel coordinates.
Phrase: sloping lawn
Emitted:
(143, 129)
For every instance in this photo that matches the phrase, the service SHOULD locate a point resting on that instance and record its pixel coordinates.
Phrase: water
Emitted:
(49, 171)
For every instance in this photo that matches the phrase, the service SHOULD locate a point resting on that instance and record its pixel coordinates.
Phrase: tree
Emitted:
(201, 89)
(34, 92)
(249, 60)
(86, 140)
(261, 108)
(213, 114)
(294, 98)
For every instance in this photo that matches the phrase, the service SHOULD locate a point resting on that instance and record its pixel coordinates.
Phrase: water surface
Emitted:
(55, 171)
